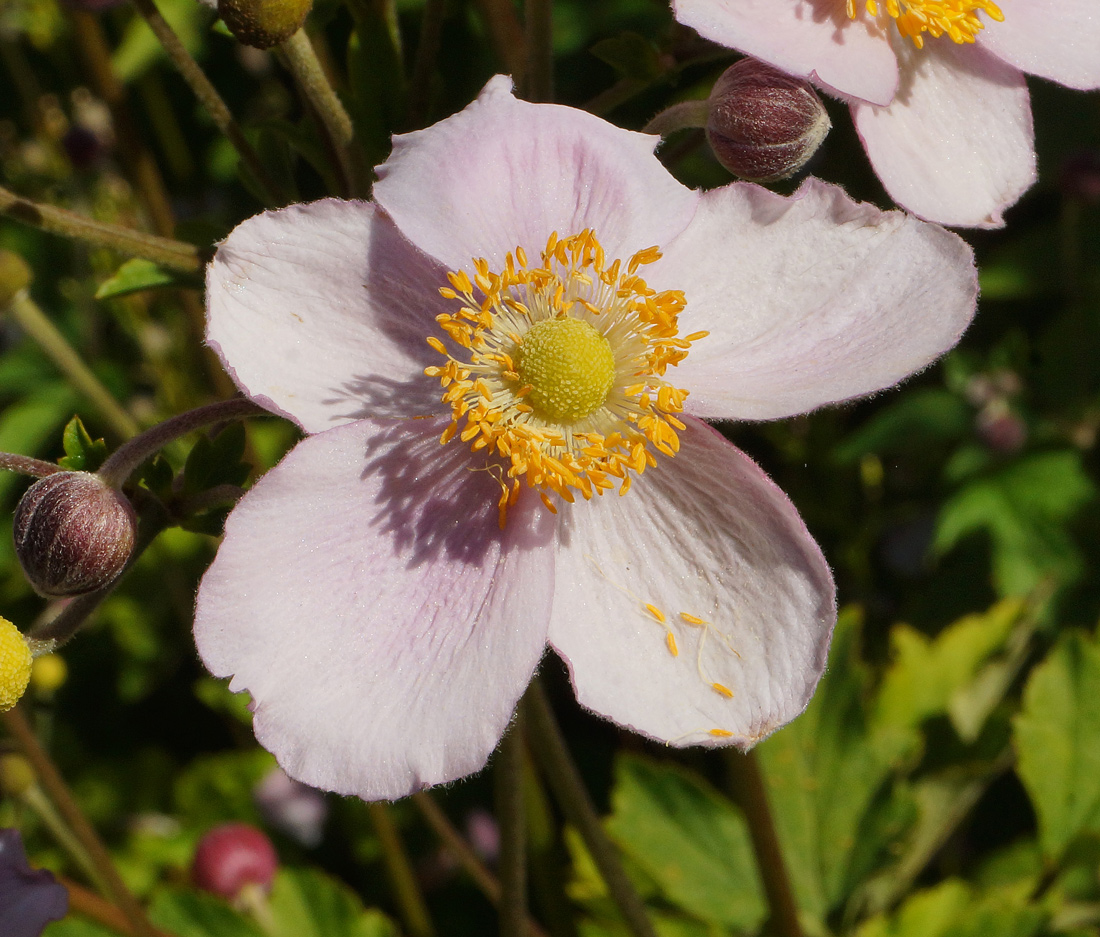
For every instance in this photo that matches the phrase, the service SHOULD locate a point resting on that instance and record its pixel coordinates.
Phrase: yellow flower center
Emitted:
(957, 19)
(15, 665)
(569, 366)
(561, 372)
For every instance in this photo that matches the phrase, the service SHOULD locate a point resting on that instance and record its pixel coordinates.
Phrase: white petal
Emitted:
(1055, 39)
(708, 534)
(321, 311)
(803, 38)
(956, 146)
(505, 173)
(810, 300)
(367, 600)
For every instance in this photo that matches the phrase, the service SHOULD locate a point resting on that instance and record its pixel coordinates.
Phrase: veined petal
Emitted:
(366, 598)
(707, 549)
(809, 39)
(320, 312)
(1055, 39)
(505, 172)
(810, 300)
(956, 146)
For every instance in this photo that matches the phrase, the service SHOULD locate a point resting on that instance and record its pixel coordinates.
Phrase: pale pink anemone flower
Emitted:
(936, 87)
(386, 592)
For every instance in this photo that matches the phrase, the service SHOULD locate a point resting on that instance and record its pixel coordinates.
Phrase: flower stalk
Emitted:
(569, 790)
(25, 465)
(539, 34)
(207, 94)
(508, 777)
(177, 255)
(414, 911)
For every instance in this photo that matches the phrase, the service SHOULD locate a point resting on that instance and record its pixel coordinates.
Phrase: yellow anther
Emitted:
(15, 665)
(956, 19)
(722, 690)
(670, 642)
(692, 619)
(721, 733)
(656, 613)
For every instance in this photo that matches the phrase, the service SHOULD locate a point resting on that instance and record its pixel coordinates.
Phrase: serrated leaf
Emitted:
(82, 453)
(306, 903)
(823, 771)
(157, 474)
(689, 839)
(631, 55)
(197, 914)
(216, 461)
(952, 909)
(1057, 739)
(136, 275)
(1025, 508)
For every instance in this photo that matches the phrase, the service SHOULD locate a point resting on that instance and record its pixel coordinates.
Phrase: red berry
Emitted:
(231, 856)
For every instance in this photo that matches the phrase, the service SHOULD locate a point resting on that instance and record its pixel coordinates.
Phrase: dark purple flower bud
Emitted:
(73, 533)
(232, 856)
(762, 124)
(82, 147)
(292, 807)
(29, 898)
(263, 23)
(1080, 176)
(1001, 430)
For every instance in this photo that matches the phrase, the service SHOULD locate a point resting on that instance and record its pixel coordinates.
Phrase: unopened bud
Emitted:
(73, 533)
(14, 276)
(263, 23)
(48, 674)
(15, 665)
(231, 857)
(16, 775)
(763, 124)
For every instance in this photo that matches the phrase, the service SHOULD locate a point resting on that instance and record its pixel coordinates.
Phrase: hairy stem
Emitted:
(27, 466)
(409, 900)
(508, 771)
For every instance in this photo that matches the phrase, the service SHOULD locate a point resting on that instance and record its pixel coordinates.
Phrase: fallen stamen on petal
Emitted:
(956, 19)
(565, 376)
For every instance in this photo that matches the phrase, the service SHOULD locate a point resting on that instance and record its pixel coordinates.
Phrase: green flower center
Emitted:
(569, 366)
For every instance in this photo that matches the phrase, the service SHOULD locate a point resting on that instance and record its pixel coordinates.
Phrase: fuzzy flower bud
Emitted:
(762, 124)
(15, 665)
(231, 857)
(14, 276)
(263, 23)
(73, 533)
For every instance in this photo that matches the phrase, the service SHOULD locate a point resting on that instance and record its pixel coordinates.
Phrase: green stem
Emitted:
(26, 465)
(506, 35)
(679, 116)
(311, 78)
(41, 330)
(38, 802)
(539, 34)
(409, 900)
(485, 881)
(748, 786)
(206, 93)
(165, 251)
(50, 779)
(512, 866)
(129, 456)
(569, 790)
(431, 36)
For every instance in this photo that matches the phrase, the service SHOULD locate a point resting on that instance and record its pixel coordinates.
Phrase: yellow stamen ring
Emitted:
(562, 373)
(956, 19)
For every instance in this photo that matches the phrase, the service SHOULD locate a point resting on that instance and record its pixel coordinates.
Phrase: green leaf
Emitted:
(631, 55)
(823, 772)
(216, 461)
(139, 48)
(82, 453)
(1057, 738)
(26, 425)
(216, 788)
(1025, 508)
(76, 927)
(688, 839)
(952, 909)
(915, 420)
(927, 673)
(306, 903)
(136, 275)
(197, 914)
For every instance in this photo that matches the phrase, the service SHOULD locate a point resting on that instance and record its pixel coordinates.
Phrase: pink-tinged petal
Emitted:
(956, 146)
(1055, 39)
(320, 312)
(808, 38)
(709, 535)
(504, 172)
(366, 598)
(810, 300)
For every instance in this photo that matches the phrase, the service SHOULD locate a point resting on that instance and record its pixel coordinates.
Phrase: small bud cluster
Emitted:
(74, 533)
(764, 125)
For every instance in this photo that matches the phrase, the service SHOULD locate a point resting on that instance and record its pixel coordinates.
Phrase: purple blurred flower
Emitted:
(292, 807)
(29, 898)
